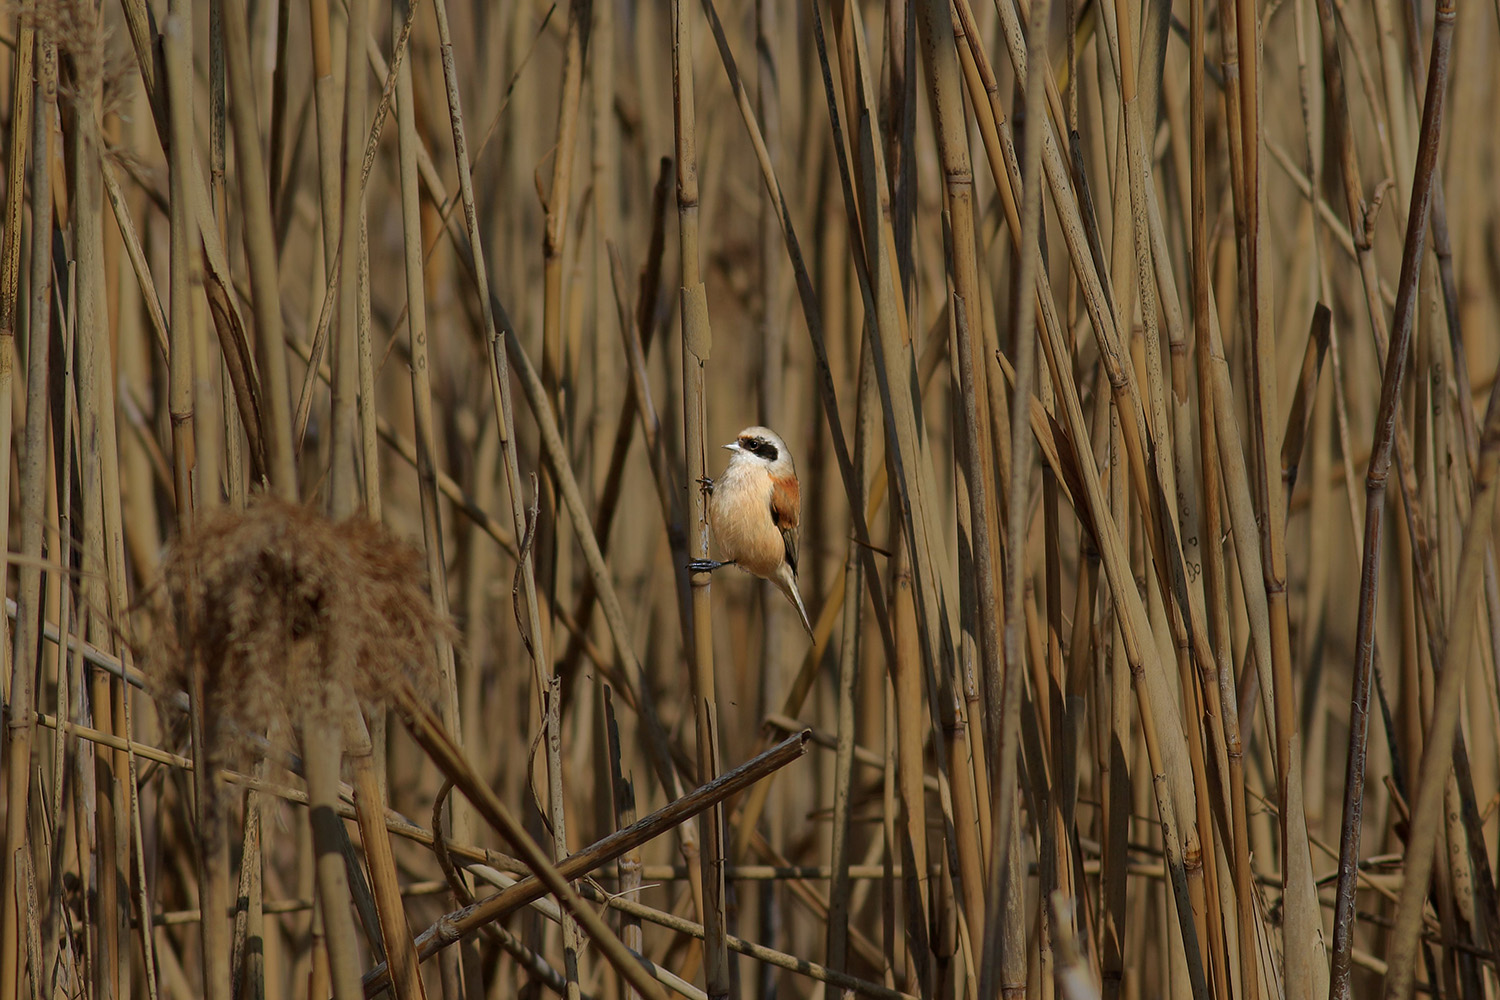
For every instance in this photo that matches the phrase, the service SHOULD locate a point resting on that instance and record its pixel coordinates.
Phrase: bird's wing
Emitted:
(785, 514)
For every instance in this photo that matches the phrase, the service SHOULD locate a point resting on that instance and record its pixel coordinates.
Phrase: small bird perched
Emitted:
(754, 509)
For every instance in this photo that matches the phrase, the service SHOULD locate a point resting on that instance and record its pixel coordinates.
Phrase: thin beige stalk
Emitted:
(849, 650)
(322, 750)
(1219, 685)
(325, 102)
(260, 247)
(17, 150)
(401, 954)
(91, 353)
(499, 369)
(981, 640)
(697, 343)
(1437, 759)
(343, 491)
(557, 820)
(623, 801)
(33, 467)
(559, 198)
(1018, 494)
(424, 456)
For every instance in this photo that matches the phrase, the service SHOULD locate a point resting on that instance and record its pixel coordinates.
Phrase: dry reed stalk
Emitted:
(322, 743)
(179, 55)
(697, 343)
(979, 636)
(1018, 494)
(623, 801)
(555, 454)
(1398, 982)
(21, 95)
(368, 800)
(425, 453)
(325, 98)
(557, 821)
(322, 724)
(910, 470)
(849, 656)
(1165, 500)
(33, 467)
(1437, 759)
(583, 862)
(343, 489)
(84, 57)
(430, 735)
(332, 289)
(1124, 390)
(499, 369)
(608, 503)
(1172, 749)
(558, 200)
(1218, 673)
(980, 630)
(558, 362)
(875, 279)
(247, 950)
(1146, 526)
(260, 248)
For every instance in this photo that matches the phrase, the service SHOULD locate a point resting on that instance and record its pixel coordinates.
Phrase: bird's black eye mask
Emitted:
(760, 447)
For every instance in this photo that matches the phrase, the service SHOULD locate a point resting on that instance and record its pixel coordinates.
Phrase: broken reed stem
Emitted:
(429, 734)
(455, 926)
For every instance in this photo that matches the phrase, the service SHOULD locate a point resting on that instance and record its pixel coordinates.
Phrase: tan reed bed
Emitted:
(359, 363)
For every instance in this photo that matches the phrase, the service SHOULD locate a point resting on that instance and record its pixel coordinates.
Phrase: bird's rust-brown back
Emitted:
(786, 514)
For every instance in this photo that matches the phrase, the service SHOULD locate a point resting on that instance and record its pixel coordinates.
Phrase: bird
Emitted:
(754, 509)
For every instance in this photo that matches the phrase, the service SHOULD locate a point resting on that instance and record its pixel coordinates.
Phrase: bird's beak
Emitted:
(733, 446)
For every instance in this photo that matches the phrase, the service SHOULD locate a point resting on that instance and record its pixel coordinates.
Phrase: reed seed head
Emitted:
(279, 606)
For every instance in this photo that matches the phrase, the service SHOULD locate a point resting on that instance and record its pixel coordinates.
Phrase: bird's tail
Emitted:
(790, 589)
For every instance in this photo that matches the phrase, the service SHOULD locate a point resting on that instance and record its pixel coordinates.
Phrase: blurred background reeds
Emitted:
(358, 365)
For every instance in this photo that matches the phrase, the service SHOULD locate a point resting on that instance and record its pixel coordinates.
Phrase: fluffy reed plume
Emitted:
(280, 605)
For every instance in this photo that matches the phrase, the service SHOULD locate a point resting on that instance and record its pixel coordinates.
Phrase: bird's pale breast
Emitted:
(740, 514)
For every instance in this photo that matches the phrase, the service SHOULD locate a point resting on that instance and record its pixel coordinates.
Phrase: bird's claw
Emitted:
(706, 565)
(705, 484)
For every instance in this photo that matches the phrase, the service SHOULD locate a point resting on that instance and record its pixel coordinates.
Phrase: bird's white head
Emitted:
(764, 447)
